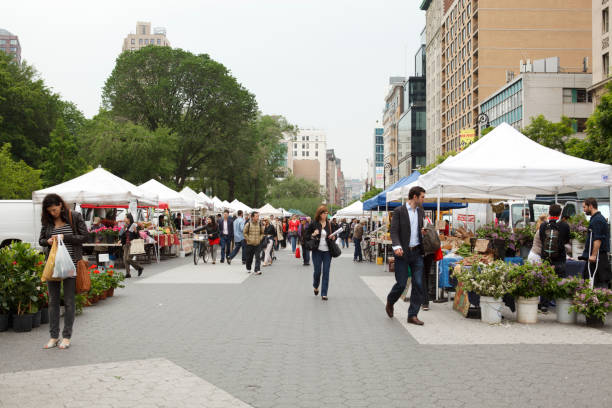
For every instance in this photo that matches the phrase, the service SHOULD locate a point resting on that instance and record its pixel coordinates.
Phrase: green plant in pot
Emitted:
(594, 303)
(563, 293)
(529, 282)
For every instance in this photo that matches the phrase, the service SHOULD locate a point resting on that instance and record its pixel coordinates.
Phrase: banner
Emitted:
(467, 138)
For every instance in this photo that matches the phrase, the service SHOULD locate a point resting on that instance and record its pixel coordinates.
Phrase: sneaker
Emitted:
(248, 271)
(258, 273)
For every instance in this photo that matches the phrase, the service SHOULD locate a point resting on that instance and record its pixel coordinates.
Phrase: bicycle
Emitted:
(200, 248)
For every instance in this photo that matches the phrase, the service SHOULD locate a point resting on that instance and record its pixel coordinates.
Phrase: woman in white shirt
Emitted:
(319, 234)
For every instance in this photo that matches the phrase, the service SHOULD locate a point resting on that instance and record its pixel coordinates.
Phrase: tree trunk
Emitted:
(231, 187)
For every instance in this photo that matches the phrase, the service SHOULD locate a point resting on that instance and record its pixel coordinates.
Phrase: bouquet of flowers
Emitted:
(485, 280)
(566, 288)
(593, 303)
(578, 227)
(531, 280)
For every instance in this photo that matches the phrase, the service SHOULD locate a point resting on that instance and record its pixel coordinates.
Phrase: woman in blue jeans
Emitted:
(319, 232)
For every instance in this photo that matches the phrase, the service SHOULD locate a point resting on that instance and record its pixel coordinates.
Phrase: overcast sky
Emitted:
(320, 63)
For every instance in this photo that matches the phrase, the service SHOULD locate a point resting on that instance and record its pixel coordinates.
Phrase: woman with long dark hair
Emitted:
(55, 222)
(320, 231)
(128, 234)
(212, 229)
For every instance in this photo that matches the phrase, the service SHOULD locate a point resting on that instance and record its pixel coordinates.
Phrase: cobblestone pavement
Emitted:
(268, 342)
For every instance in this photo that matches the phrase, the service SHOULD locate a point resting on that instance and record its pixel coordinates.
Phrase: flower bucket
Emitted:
(563, 313)
(595, 322)
(525, 252)
(3, 322)
(490, 309)
(527, 310)
(499, 246)
(111, 292)
(577, 248)
(22, 323)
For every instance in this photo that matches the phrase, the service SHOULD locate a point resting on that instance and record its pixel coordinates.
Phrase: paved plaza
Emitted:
(214, 336)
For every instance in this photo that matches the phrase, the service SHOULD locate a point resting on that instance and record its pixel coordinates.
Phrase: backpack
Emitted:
(431, 240)
(551, 246)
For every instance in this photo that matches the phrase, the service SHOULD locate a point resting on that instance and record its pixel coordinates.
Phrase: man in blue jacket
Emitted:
(239, 241)
(226, 233)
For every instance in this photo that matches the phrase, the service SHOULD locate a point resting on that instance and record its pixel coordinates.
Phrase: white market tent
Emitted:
(98, 187)
(285, 212)
(268, 210)
(192, 196)
(217, 204)
(353, 210)
(226, 205)
(174, 199)
(206, 200)
(507, 163)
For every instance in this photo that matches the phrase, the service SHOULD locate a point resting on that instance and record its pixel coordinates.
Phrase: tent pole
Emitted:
(437, 263)
(610, 211)
(556, 200)
(388, 228)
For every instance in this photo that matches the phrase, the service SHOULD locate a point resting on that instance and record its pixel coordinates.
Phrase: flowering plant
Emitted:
(524, 236)
(492, 232)
(485, 280)
(579, 226)
(531, 280)
(595, 302)
(567, 287)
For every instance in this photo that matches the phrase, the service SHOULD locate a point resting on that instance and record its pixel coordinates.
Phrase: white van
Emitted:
(20, 221)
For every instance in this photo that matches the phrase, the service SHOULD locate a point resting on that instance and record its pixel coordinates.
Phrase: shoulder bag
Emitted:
(83, 282)
(334, 249)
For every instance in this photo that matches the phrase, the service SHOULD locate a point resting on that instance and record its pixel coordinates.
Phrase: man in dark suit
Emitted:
(407, 241)
(226, 233)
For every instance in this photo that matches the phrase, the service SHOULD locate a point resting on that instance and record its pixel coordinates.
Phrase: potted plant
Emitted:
(115, 281)
(491, 283)
(529, 282)
(523, 239)
(594, 303)
(44, 306)
(579, 226)
(498, 236)
(563, 294)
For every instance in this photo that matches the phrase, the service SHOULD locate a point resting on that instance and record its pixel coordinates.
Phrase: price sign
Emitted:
(466, 217)
(103, 258)
(481, 245)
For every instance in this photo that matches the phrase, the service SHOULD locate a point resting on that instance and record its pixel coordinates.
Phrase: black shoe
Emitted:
(128, 276)
(221, 261)
(140, 271)
(306, 264)
(229, 262)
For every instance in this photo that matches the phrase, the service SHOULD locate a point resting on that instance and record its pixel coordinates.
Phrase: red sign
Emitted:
(466, 218)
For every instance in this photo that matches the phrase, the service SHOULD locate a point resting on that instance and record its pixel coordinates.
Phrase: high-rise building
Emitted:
(9, 44)
(434, 10)
(144, 37)
(378, 161)
(541, 90)
(601, 48)
(309, 156)
(331, 174)
(483, 40)
(394, 106)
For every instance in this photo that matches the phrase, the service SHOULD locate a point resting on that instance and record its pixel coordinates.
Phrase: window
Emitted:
(317, 146)
(606, 64)
(146, 41)
(13, 42)
(2, 42)
(605, 20)
(307, 137)
(295, 153)
(303, 153)
(317, 153)
(133, 41)
(140, 41)
(158, 41)
(295, 145)
(579, 124)
(307, 153)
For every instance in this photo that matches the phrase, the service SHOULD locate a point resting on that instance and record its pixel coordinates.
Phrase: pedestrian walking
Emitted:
(270, 237)
(128, 234)
(293, 232)
(253, 234)
(239, 242)
(344, 235)
(407, 241)
(334, 225)
(357, 237)
(320, 233)
(55, 220)
(597, 246)
(226, 236)
(212, 229)
(304, 224)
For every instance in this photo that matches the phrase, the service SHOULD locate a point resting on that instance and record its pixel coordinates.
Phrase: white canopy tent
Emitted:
(217, 204)
(192, 196)
(98, 187)
(226, 205)
(268, 210)
(285, 212)
(206, 200)
(174, 199)
(353, 210)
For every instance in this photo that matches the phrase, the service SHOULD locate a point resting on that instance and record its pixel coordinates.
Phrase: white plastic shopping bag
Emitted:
(64, 267)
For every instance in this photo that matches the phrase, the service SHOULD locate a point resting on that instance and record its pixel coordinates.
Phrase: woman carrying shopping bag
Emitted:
(319, 238)
(56, 226)
(128, 234)
(269, 234)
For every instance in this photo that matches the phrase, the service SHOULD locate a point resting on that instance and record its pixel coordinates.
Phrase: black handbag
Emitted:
(334, 249)
(311, 244)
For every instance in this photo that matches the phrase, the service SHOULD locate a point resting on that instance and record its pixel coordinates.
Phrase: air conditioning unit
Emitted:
(509, 76)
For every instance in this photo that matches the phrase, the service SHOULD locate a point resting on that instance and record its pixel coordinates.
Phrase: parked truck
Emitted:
(20, 221)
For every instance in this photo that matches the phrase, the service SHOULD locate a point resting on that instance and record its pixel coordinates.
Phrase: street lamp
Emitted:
(387, 166)
(483, 119)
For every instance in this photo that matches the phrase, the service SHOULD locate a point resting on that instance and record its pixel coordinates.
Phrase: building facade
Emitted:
(601, 48)
(378, 160)
(144, 37)
(331, 175)
(484, 40)
(310, 145)
(434, 10)
(412, 128)
(9, 44)
(531, 94)
(394, 106)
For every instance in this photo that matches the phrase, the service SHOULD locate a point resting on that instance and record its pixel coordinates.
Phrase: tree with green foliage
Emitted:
(28, 110)
(295, 193)
(486, 131)
(193, 96)
(130, 151)
(549, 134)
(17, 179)
(374, 191)
(438, 161)
(598, 144)
(62, 161)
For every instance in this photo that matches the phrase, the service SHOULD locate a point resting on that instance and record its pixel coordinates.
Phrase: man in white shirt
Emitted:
(226, 233)
(407, 240)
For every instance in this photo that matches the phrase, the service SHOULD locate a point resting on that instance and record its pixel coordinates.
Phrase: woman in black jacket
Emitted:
(130, 231)
(55, 222)
(319, 233)
(212, 229)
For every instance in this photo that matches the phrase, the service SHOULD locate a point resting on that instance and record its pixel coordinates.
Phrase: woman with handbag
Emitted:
(319, 239)
(55, 222)
(269, 236)
(294, 224)
(128, 234)
(214, 240)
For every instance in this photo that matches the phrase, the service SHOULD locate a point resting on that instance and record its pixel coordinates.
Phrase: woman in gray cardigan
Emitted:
(56, 223)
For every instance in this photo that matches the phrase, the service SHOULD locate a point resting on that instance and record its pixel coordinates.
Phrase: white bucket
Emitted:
(577, 248)
(181, 254)
(563, 313)
(527, 309)
(490, 309)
